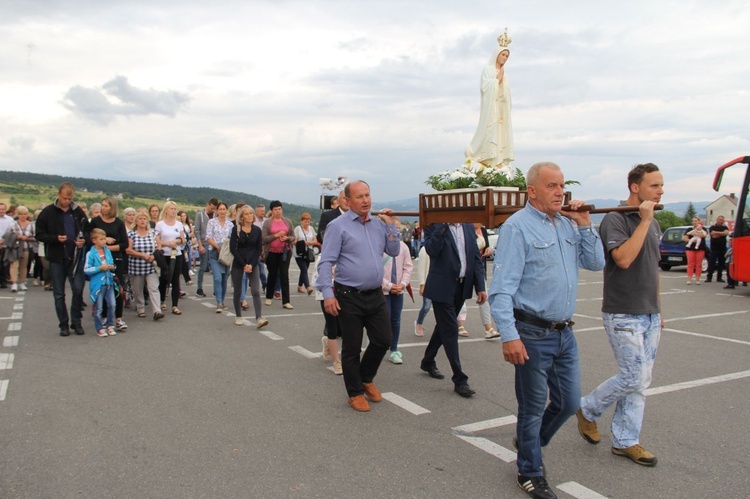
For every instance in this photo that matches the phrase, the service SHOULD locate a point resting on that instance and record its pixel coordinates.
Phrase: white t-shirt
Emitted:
(169, 233)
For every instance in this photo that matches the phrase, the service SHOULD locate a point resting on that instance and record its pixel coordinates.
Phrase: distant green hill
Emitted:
(19, 184)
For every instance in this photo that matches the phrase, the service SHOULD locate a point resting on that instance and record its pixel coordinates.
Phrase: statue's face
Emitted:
(502, 57)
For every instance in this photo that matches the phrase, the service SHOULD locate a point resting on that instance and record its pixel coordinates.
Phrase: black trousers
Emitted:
(278, 268)
(716, 262)
(445, 334)
(175, 283)
(360, 311)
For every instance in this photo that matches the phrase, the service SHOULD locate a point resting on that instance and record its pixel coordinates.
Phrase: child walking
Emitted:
(99, 267)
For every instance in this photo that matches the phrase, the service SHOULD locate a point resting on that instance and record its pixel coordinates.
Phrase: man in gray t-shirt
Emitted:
(631, 315)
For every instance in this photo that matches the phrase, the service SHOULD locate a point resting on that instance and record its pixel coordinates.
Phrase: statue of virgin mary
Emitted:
(492, 144)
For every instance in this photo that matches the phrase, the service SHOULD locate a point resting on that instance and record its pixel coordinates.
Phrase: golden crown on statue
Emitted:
(504, 39)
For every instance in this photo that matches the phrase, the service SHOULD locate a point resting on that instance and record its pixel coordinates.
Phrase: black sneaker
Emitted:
(64, 331)
(535, 486)
(200, 293)
(78, 329)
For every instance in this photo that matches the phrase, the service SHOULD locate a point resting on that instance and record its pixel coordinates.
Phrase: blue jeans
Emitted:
(395, 306)
(106, 293)
(59, 272)
(263, 278)
(426, 305)
(553, 367)
(634, 340)
(220, 273)
(202, 263)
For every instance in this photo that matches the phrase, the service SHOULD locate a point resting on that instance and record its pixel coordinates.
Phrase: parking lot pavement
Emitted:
(194, 406)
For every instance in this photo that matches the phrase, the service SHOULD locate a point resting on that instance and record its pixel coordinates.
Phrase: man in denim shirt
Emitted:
(631, 314)
(532, 299)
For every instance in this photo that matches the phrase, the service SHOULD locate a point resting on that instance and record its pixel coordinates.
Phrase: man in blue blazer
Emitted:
(455, 272)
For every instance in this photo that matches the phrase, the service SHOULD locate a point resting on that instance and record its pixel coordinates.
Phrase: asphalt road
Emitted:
(194, 406)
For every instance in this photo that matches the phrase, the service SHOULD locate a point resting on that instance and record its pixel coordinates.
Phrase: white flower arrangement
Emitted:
(473, 174)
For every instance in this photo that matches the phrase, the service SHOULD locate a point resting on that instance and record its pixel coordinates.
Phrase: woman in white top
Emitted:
(306, 239)
(218, 231)
(170, 238)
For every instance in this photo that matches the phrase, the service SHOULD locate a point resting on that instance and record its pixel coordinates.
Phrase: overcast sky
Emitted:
(267, 97)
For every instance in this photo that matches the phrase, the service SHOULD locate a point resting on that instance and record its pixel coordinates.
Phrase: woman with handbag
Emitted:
(170, 239)
(304, 253)
(117, 243)
(278, 241)
(246, 243)
(25, 234)
(218, 231)
(141, 265)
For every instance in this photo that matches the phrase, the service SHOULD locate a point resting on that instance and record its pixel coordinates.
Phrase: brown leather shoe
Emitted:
(588, 429)
(372, 392)
(359, 403)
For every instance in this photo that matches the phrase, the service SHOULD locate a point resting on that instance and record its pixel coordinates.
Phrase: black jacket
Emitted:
(50, 224)
(245, 247)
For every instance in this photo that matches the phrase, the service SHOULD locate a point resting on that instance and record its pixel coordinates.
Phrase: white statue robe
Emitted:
(493, 140)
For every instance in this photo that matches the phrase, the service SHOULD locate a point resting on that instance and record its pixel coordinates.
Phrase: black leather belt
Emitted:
(539, 322)
(348, 289)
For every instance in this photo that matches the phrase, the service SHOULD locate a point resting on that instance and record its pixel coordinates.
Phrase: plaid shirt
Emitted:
(142, 244)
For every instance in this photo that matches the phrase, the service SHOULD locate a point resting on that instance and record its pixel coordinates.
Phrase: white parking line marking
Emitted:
(485, 425)
(6, 361)
(698, 382)
(16, 315)
(19, 299)
(305, 352)
(490, 447)
(271, 335)
(3, 389)
(208, 304)
(731, 340)
(705, 316)
(10, 341)
(405, 404)
(424, 343)
(584, 329)
(577, 490)
(14, 326)
(18, 306)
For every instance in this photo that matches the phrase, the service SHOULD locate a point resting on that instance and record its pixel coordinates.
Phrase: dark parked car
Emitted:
(672, 248)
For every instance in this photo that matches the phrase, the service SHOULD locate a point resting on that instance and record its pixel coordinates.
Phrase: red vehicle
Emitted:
(739, 269)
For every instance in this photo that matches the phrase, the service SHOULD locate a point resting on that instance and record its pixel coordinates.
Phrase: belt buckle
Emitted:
(561, 326)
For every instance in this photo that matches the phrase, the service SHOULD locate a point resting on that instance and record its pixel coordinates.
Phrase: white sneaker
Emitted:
(191, 273)
(268, 302)
(13, 288)
(337, 369)
(111, 331)
(22, 287)
(261, 322)
(418, 329)
(326, 348)
(396, 357)
(238, 321)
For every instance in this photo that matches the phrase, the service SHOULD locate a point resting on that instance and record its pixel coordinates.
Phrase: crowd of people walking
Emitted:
(362, 266)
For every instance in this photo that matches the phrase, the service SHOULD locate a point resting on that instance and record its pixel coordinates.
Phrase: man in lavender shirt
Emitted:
(355, 243)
